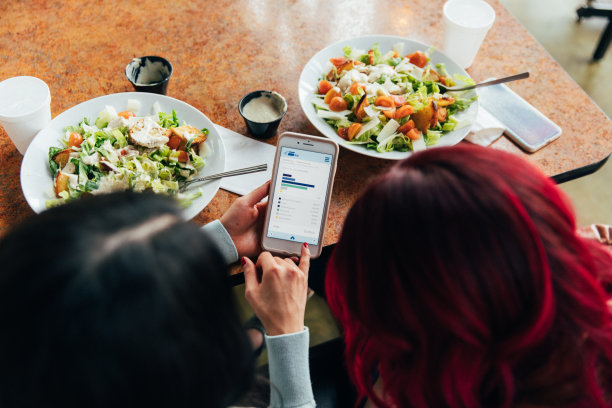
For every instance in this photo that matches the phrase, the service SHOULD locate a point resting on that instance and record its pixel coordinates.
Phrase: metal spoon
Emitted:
(246, 170)
(444, 88)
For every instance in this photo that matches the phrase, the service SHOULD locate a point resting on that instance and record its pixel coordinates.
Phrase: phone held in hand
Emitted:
(523, 123)
(300, 193)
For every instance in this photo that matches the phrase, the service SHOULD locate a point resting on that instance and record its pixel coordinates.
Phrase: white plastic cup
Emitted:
(25, 108)
(466, 23)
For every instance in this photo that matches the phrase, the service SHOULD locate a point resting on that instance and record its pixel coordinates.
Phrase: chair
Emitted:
(590, 190)
(598, 9)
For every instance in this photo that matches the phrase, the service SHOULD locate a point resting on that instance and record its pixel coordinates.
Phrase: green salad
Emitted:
(388, 101)
(122, 151)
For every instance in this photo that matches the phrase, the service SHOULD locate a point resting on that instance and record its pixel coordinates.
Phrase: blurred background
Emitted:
(555, 25)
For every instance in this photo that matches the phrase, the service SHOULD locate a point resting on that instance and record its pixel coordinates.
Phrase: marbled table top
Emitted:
(223, 49)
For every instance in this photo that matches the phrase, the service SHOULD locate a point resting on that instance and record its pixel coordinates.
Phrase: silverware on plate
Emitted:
(246, 170)
(445, 88)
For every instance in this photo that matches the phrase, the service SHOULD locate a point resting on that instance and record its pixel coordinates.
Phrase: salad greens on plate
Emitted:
(388, 102)
(121, 151)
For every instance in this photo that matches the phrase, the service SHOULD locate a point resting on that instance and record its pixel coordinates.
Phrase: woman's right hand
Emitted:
(278, 298)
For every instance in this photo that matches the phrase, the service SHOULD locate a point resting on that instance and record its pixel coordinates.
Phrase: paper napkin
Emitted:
(485, 130)
(242, 151)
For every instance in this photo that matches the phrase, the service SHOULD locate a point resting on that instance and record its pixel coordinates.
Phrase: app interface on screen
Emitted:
(299, 195)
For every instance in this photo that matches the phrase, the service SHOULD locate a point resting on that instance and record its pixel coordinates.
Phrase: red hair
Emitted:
(459, 279)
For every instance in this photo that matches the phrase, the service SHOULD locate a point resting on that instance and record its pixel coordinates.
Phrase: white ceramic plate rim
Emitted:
(36, 178)
(313, 70)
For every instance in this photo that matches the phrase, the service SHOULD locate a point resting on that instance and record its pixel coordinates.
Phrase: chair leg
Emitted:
(604, 41)
(579, 172)
(582, 12)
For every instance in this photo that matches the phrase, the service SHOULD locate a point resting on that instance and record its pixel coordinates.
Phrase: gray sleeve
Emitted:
(289, 370)
(223, 240)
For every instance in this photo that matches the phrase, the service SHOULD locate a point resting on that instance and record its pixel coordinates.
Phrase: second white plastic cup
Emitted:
(25, 108)
(466, 23)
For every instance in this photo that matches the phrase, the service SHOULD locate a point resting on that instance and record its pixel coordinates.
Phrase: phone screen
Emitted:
(298, 199)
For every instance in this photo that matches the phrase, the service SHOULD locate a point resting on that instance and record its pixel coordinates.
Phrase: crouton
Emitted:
(61, 158)
(181, 135)
(61, 183)
(425, 117)
(445, 101)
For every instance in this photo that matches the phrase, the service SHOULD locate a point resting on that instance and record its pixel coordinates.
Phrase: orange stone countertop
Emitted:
(223, 49)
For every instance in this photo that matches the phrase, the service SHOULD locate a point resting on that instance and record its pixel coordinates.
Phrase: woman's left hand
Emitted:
(244, 221)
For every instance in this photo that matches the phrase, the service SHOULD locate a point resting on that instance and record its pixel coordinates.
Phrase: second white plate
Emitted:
(315, 68)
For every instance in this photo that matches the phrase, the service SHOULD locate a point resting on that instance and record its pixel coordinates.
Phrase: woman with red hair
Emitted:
(460, 281)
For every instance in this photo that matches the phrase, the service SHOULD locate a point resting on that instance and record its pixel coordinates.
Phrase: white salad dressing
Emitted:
(265, 108)
(350, 77)
(111, 184)
(69, 168)
(378, 70)
(118, 121)
(73, 180)
(146, 132)
(111, 154)
(151, 72)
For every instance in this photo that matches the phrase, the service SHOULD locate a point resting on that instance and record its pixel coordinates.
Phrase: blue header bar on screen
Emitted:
(306, 155)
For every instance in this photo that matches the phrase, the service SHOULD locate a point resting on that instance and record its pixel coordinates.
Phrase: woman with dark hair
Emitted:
(460, 281)
(116, 301)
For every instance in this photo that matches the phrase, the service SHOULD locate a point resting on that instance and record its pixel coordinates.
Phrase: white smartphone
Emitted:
(300, 193)
(523, 123)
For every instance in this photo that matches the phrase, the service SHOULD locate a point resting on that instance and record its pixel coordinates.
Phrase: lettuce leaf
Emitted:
(367, 135)
(168, 120)
(52, 164)
(450, 124)
(347, 51)
(377, 55)
(466, 80)
(432, 137)
(419, 99)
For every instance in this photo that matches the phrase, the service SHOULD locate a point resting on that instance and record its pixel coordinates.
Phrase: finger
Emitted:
(295, 259)
(600, 232)
(310, 293)
(305, 259)
(265, 262)
(279, 260)
(257, 195)
(250, 272)
(261, 207)
(289, 261)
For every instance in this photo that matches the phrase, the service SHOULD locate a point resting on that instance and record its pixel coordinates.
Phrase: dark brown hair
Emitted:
(116, 301)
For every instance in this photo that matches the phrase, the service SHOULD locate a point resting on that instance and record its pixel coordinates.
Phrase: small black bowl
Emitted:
(149, 74)
(263, 130)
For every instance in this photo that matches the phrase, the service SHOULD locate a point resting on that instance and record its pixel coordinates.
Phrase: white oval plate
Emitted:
(314, 69)
(36, 178)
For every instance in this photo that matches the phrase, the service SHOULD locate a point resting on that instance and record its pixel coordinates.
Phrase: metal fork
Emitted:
(445, 88)
(246, 170)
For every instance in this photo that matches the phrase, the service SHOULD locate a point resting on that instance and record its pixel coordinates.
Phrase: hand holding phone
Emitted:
(244, 219)
(300, 193)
